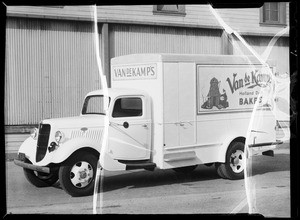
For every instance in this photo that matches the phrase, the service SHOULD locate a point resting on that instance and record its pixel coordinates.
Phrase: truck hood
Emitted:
(76, 122)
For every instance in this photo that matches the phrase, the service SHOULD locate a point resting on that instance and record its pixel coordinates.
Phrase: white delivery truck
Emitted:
(166, 111)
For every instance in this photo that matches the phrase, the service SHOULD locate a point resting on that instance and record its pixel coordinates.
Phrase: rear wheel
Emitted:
(219, 168)
(233, 168)
(77, 174)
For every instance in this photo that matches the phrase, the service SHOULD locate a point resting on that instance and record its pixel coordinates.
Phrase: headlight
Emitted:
(59, 136)
(34, 133)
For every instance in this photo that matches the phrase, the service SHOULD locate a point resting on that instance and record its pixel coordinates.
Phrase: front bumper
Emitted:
(20, 161)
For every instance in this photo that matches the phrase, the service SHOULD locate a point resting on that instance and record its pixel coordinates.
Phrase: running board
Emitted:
(138, 164)
(265, 144)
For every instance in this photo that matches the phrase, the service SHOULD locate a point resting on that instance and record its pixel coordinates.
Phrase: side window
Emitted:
(128, 107)
(273, 13)
(169, 10)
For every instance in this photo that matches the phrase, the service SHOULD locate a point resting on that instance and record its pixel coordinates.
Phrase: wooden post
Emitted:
(105, 56)
(227, 47)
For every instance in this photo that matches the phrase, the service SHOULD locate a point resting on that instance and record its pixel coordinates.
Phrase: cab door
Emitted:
(130, 129)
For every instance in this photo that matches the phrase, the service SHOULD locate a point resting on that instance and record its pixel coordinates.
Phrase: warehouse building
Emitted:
(51, 57)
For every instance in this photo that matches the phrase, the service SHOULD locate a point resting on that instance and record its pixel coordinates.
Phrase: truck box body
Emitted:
(200, 103)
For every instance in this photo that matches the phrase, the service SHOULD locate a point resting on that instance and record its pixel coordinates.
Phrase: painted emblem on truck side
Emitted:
(232, 87)
(214, 97)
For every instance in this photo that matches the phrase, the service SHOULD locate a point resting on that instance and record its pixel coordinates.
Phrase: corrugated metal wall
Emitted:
(50, 66)
(279, 52)
(280, 55)
(127, 39)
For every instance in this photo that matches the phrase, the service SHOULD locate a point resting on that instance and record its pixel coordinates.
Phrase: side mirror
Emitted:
(125, 124)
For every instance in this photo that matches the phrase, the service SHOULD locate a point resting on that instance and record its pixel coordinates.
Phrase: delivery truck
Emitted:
(165, 111)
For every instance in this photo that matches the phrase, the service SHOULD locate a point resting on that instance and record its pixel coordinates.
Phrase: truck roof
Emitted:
(210, 59)
(117, 92)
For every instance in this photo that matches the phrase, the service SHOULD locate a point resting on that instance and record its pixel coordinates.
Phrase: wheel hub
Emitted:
(81, 174)
(237, 161)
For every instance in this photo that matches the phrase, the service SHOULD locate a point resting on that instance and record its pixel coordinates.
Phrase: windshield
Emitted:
(94, 105)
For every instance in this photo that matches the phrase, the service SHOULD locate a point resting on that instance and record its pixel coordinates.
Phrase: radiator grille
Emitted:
(42, 142)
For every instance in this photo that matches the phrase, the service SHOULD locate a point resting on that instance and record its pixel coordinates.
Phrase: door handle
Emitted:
(179, 123)
(144, 125)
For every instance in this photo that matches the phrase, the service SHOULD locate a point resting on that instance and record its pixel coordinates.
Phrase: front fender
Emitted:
(28, 147)
(66, 149)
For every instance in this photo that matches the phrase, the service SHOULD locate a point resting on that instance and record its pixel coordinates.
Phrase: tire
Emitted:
(208, 164)
(39, 179)
(219, 170)
(233, 168)
(77, 174)
(187, 169)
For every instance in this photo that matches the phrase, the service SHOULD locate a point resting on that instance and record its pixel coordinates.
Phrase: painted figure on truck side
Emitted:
(214, 97)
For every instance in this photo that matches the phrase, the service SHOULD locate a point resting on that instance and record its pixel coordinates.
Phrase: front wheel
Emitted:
(77, 174)
(39, 179)
(234, 167)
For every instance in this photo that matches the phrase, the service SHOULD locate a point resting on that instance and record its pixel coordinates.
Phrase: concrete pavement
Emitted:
(161, 192)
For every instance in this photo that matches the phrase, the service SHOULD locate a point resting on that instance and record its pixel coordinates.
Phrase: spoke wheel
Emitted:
(77, 173)
(233, 168)
(81, 174)
(237, 161)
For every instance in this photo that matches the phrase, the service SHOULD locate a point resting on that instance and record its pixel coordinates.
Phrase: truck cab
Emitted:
(57, 140)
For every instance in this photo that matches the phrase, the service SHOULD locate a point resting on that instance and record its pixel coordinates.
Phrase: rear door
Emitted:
(179, 104)
(187, 105)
